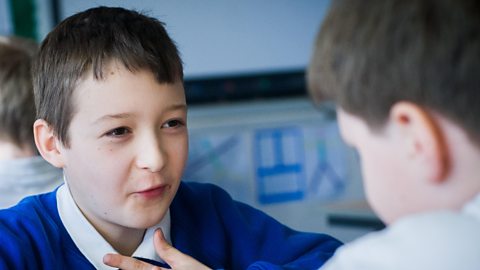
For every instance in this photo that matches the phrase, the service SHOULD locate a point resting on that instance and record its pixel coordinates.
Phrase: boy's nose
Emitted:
(150, 155)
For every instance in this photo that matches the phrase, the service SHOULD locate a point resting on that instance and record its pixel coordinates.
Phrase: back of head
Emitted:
(86, 43)
(17, 108)
(371, 54)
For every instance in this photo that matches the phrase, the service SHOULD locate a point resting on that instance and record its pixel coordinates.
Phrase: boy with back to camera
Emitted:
(112, 113)
(22, 170)
(405, 75)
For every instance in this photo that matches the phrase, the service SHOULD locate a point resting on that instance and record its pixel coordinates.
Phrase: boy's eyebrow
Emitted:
(111, 116)
(174, 107)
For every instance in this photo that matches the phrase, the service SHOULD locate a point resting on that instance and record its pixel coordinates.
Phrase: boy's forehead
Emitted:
(123, 94)
(116, 76)
(105, 72)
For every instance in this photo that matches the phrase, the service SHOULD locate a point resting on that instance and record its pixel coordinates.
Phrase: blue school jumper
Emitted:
(205, 224)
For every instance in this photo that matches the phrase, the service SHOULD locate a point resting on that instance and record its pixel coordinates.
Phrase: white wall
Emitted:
(229, 36)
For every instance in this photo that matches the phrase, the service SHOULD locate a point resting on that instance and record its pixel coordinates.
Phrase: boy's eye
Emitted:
(172, 124)
(118, 132)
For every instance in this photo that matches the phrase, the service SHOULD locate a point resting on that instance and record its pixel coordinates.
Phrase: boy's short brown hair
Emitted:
(17, 107)
(88, 42)
(423, 51)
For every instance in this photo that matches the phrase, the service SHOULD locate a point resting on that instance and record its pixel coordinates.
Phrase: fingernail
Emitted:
(106, 258)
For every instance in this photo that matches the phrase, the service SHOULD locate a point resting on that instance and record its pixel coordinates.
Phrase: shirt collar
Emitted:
(92, 245)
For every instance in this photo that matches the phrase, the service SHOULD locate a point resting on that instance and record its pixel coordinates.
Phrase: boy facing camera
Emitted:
(112, 113)
(405, 77)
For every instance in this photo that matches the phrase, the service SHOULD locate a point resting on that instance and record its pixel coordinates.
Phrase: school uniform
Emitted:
(441, 240)
(48, 231)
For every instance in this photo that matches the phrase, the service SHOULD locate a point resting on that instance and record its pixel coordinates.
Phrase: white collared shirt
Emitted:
(92, 245)
(441, 240)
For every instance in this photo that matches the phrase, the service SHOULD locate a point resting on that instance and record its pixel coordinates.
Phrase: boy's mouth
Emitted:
(153, 192)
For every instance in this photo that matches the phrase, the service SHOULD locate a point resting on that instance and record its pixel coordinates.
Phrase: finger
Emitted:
(161, 244)
(172, 256)
(127, 263)
(168, 253)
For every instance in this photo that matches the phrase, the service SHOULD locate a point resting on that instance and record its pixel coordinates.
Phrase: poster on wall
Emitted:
(273, 165)
(271, 155)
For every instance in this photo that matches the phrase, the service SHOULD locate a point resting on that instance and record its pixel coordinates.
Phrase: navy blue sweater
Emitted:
(205, 224)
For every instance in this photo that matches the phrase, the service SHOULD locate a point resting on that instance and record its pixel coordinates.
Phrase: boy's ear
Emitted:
(47, 143)
(423, 140)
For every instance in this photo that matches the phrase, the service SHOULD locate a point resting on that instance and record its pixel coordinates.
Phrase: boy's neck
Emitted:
(9, 151)
(128, 243)
(124, 242)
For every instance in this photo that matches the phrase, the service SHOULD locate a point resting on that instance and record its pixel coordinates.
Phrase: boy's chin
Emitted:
(150, 223)
(143, 221)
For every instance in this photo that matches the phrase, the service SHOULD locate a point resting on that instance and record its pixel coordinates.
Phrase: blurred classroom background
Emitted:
(253, 130)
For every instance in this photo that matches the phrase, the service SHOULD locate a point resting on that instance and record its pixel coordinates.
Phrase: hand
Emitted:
(169, 254)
